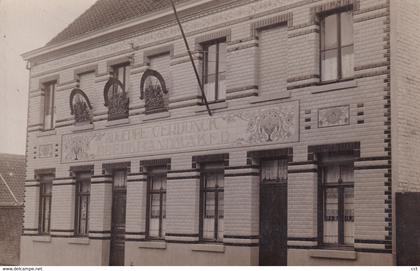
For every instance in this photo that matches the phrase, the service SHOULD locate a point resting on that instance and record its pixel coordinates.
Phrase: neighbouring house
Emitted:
(315, 129)
(12, 183)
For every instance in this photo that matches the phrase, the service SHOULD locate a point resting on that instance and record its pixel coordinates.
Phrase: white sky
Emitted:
(25, 25)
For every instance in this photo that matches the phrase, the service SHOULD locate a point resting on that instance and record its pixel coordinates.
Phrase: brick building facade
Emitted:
(12, 181)
(294, 167)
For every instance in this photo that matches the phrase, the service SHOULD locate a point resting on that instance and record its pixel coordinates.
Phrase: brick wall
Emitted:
(367, 97)
(11, 229)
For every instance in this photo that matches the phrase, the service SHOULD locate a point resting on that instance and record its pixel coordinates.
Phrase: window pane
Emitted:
(211, 180)
(209, 204)
(84, 214)
(164, 205)
(329, 38)
(119, 179)
(221, 204)
(346, 28)
(155, 206)
(210, 91)
(347, 60)
(222, 57)
(349, 215)
(211, 62)
(329, 69)
(331, 216)
(332, 173)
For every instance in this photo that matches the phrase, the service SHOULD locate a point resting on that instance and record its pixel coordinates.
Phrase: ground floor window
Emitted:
(157, 202)
(337, 195)
(82, 203)
(212, 201)
(45, 197)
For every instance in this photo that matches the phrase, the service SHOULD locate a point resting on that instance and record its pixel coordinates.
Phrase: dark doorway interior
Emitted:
(119, 194)
(408, 228)
(273, 224)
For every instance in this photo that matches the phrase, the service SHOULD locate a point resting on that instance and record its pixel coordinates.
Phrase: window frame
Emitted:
(149, 199)
(339, 72)
(205, 63)
(340, 186)
(44, 181)
(203, 191)
(79, 195)
(115, 74)
(51, 88)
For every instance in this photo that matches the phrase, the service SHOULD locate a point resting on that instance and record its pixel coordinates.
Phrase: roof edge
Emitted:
(27, 56)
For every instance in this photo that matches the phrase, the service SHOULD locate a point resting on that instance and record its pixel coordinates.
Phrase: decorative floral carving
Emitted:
(116, 99)
(271, 125)
(334, 116)
(153, 90)
(118, 106)
(77, 148)
(80, 106)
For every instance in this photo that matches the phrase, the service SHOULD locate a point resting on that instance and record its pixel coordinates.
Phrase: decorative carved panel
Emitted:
(252, 127)
(80, 106)
(45, 151)
(153, 90)
(334, 116)
(116, 99)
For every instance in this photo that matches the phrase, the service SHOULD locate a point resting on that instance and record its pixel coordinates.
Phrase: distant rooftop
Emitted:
(105, 13)
(12, 169)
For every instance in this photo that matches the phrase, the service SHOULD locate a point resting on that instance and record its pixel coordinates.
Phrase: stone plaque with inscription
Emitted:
(250, 127)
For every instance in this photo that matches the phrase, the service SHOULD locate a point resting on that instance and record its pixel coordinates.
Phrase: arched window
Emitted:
(153, 91)
(80, 106)
(116, 99)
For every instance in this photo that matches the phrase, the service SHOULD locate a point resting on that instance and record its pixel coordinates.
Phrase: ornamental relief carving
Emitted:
(334, 116)
(252, 127)
(164, 33)
(153, 91)
(116, 99)
(80, 106)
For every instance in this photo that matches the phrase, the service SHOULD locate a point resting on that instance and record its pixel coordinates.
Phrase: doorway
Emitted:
(119, 198)
(273, 213)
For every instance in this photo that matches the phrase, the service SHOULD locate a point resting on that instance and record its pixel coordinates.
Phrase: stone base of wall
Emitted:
(10, 231)
(304, 257)
(190, 254)
(44, 250)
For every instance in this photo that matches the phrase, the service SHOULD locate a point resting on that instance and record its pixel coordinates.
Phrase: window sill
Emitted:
(152, 244)
(272, 97)
(217, 248)
(47, 132)
(154, 116)
(333, 254)
(42, 239)
(117, 122)
(333, 86)
(79, 241)
(83, 127)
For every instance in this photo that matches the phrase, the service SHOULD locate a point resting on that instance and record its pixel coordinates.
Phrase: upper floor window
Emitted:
(212, 198)
(82, 203)
(115, 93)
(337, 194)
(120, 72)
(214, 70)
(157, 203)
(337, 46)
(49, 106)
(45, 196)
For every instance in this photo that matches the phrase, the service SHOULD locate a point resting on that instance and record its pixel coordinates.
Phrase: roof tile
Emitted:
(105, 13)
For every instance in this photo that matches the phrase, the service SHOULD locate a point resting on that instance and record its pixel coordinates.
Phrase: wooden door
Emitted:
(118, 219)
(273, 224)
